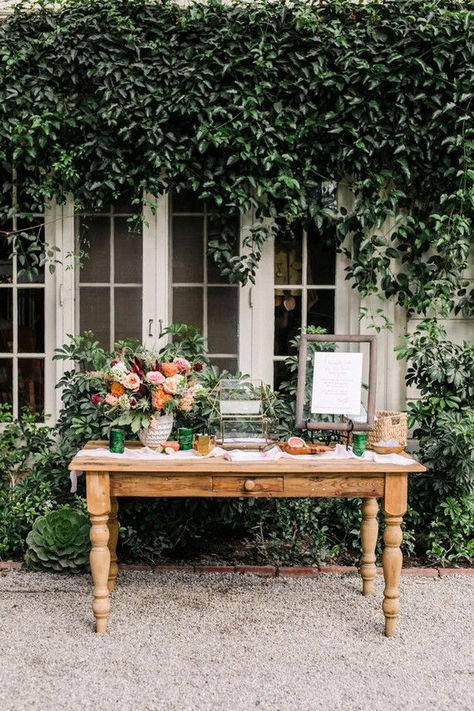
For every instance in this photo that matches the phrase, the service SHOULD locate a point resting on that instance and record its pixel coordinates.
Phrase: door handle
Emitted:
(150, 324)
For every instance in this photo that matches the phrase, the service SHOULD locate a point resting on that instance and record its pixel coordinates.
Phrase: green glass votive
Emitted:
(359, 443)
(117, 441)
(185, 437)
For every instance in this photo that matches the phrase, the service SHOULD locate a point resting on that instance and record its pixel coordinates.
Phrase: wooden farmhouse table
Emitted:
(108, 478)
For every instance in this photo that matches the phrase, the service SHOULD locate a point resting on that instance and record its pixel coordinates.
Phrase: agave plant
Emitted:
(59, 541)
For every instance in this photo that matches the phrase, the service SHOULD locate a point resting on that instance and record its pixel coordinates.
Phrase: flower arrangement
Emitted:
(137, 388)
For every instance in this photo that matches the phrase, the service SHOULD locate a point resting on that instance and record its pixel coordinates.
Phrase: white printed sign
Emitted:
(337, 383)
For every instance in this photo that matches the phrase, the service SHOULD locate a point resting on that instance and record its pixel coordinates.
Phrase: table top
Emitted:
(171, 466)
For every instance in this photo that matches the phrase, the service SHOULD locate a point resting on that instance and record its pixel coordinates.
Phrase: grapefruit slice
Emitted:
(170, 445)
(296, 442)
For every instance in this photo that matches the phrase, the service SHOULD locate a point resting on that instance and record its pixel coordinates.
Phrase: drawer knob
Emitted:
(249, 485)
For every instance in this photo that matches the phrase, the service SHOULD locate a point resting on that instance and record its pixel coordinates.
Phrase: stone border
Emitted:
(267, 571)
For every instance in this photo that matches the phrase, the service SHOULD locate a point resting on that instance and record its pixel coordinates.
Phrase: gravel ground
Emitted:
(231, 642)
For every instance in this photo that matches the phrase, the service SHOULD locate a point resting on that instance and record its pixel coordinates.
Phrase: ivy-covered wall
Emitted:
(252, 105)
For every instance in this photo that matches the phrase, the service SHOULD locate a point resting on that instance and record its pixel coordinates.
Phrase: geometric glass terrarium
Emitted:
(238, 418)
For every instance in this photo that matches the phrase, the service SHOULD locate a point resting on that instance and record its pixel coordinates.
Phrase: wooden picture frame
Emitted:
(301, 422)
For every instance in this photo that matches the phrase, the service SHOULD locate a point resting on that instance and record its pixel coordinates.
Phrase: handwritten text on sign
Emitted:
(337, 383)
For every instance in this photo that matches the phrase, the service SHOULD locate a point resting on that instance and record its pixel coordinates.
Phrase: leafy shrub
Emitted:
(443, 417)
(21, 441)
(451, 533)
(59, 541)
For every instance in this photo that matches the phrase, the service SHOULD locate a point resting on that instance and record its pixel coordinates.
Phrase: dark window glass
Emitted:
(188, 306)
(31, 384)
(287, 320)
(6, 320)
(223, 319)
(321, 308)
(128, 313)
(229, 364)
(6, 380)
(6, 264)
(321, 258)
(94, 235)
(188, 235)
(95, 313)
(186, 201)
(128, 249)
(30, 320)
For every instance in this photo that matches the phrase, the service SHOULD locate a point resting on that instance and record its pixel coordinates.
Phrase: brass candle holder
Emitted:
(203, 444)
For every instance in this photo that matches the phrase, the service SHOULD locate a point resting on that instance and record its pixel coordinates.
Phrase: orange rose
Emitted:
(117, 389)
(159, 399)
(169, 369)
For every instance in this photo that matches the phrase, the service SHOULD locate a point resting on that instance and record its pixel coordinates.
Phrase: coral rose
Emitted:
(111, 399)
(159, 399)
(155, 377)
(132, 382)
(117, 389)
(169, 369)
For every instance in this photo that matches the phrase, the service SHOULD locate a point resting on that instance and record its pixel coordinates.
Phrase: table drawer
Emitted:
(247, 485)
(334, 486)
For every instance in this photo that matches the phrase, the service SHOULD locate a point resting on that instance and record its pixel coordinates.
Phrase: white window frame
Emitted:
(47, 286)
(256, 303)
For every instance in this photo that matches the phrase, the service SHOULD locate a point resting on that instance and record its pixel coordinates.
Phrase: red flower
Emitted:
(97, 399)
(135, 367)
(198, 367)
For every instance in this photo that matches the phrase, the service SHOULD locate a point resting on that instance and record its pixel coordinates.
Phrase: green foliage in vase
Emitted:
(253, 106)
(59, 541)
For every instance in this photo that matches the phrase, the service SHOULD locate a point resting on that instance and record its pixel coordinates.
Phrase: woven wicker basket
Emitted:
(389, 425)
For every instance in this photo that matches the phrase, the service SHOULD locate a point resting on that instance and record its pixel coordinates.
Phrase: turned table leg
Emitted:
(98, 506)
(395, 505)
(369, 529)
(113, 537)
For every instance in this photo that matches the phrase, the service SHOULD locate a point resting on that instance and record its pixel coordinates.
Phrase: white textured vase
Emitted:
(154, 436)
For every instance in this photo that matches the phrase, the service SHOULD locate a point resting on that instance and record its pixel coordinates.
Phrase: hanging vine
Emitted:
(252, 105)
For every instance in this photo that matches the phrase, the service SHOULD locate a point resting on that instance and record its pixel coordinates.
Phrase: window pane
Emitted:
(128, 313)
(186, 201)
(222, 319)
(31, 320)
(229, 364)
(289, 260)
(124, 204)
(95, 313)
(280, 373)
(187, 306)
(321, 258)
(215, 231)
(6, 380)
(188, 235)
(31, 384)
(321, 308)
(128, 253)
(6, 320)
(94, 236)
(6, 265)
(287, 320)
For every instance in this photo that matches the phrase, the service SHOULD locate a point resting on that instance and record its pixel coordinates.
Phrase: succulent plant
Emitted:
(59, 541)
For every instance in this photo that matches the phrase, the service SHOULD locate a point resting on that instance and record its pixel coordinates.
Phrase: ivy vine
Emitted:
(253, 105)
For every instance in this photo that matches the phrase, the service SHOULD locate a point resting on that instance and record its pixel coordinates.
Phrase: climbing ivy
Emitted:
(253, 105)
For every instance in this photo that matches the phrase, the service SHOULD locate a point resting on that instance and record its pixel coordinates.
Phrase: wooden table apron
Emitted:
(107, 479)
